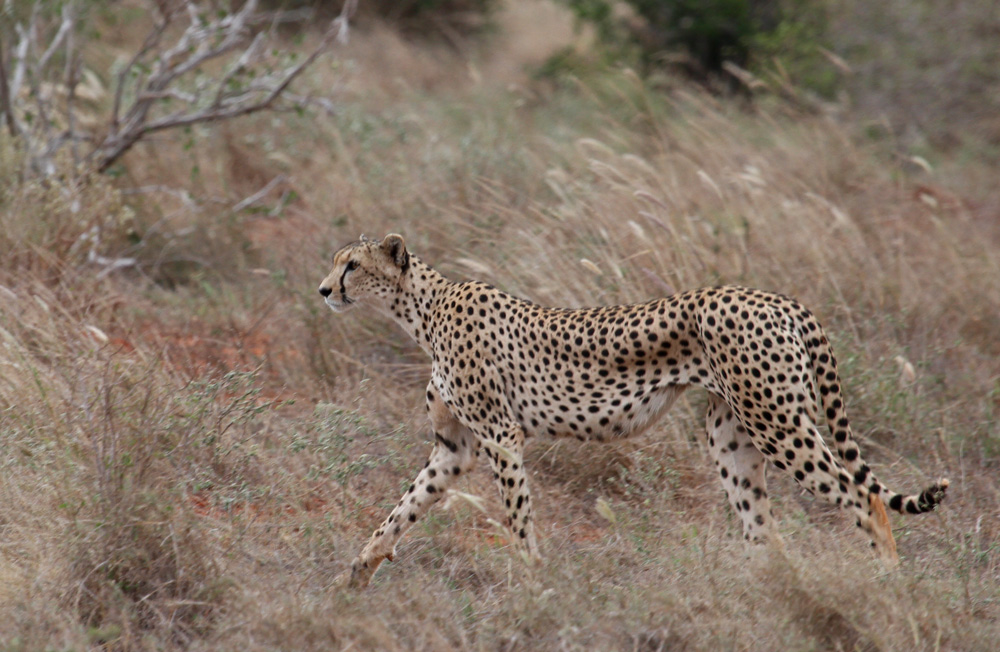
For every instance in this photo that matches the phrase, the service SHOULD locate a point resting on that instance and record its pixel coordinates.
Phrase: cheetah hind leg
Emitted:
(743, 472)
(881, 532)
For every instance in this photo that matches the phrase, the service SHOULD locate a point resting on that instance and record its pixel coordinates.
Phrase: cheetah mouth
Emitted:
(339, 306)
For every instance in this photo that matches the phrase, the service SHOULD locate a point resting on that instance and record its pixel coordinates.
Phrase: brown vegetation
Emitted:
(192, 448)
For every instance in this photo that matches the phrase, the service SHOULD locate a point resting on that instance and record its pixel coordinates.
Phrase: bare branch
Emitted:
(324, 103)
(64, 29)
(245, 59)
(341, 24)
(152, 41)
(260, 194)
(232, 28)
(21, 54)
(168, 83)
(72, 79)
(169, 94)
(200, 42)
(5, 103)
(35, 78)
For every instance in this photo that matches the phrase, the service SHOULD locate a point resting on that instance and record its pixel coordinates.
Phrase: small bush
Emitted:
(700, 37)
(449, 18)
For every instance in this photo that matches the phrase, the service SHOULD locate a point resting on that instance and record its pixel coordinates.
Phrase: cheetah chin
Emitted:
(339, 306)
(503, 369)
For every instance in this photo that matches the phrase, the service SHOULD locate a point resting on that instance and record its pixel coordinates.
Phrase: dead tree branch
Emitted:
(5, 103)
(168, 83)
(243, 88)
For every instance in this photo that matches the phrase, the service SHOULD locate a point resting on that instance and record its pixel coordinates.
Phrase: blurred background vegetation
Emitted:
(192, 448)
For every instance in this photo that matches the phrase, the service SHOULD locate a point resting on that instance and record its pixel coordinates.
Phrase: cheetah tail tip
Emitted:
(935, 494)
(923, 502)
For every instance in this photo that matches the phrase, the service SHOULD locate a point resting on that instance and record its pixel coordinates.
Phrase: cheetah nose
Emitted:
(325, 291)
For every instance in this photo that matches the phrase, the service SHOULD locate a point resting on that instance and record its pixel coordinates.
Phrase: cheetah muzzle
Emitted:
(504, 368)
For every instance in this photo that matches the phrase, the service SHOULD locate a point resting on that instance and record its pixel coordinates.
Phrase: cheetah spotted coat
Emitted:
(504, 369)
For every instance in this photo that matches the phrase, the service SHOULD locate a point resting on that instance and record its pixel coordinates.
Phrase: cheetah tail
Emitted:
(920, 503)
(831, 396)
(832, 400)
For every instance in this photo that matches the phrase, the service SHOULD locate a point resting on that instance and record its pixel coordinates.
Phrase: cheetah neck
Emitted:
(413, 304)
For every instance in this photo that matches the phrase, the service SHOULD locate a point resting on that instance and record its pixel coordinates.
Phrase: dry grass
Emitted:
(192, 449)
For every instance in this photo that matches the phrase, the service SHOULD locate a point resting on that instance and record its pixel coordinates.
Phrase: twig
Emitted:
(152, 41)
(72, 79)
(5, 104)
(64, 30)
(21, 57)
(260, 194)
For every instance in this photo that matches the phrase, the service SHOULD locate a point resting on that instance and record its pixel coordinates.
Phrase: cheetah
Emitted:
(503, 369)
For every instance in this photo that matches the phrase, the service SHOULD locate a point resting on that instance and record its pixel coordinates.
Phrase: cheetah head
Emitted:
(367, 271)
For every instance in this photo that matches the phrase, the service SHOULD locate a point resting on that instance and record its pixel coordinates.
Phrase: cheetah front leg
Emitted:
(504, 449)
(454, 454)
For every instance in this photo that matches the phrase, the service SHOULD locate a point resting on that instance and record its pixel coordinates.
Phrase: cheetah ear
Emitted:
(395, 248)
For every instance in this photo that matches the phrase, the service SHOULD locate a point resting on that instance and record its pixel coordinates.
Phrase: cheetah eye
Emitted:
(352, 265)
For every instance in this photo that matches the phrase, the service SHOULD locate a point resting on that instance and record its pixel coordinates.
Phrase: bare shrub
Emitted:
(196, 65)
